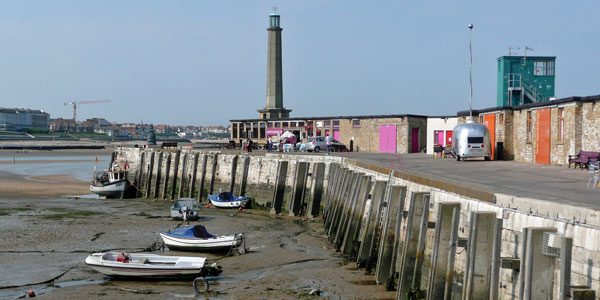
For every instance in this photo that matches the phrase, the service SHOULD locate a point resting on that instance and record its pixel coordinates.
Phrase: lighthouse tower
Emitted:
(274, 108)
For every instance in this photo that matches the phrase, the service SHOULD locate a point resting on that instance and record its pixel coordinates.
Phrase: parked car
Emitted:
(318, 143)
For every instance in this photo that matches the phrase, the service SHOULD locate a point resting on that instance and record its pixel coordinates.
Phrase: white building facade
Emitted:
(439, 131)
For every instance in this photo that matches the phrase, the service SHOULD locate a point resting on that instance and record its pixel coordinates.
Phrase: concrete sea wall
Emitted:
(416, 235)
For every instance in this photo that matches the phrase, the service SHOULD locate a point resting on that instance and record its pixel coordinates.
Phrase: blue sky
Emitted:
(204, 62)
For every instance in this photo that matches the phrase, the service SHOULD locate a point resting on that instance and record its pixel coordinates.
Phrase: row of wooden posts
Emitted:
(371, 223)
(199, 172)
(156, 175)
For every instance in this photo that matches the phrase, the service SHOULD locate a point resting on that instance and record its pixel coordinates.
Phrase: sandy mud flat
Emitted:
(45, 234)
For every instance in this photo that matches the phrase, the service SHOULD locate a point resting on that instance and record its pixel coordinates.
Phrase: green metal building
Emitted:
(525, 79)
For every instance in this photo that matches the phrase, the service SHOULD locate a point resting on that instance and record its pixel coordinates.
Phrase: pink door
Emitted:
(415, 140)
(439, 138)
(387, 138)
(336, 135)
(326, 132)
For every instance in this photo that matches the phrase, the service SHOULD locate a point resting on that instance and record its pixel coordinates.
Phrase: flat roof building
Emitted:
(17, 119)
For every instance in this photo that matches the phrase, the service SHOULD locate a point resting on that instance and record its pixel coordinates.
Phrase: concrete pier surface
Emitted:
(552, 183)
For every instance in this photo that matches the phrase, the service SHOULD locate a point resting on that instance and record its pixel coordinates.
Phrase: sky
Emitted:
(204, 62)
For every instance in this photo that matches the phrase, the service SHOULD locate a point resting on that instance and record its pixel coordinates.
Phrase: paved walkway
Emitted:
(545, 182)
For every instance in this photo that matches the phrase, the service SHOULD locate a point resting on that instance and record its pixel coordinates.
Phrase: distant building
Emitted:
(525, 79)
(99, 122)
(17, 119)
(61, 124)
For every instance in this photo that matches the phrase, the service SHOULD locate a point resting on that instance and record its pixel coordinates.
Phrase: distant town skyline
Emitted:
(203, 63)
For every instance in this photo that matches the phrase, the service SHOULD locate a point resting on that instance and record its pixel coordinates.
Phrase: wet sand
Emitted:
(43, 236)
(15, 186)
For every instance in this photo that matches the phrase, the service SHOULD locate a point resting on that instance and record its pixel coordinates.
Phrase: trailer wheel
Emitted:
(457, 158)
(487, 158)
(200, 285)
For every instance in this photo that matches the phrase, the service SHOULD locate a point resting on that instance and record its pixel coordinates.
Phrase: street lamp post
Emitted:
(470, 72)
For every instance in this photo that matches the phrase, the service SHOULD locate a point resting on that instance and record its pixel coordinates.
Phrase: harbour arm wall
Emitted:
(415, 234)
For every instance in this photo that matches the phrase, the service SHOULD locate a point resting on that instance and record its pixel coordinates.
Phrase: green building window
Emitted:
(543, 68)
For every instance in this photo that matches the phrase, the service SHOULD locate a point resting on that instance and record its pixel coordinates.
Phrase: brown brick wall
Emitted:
(560, 151)
(523, 150)
(590, 133)
(509, 153)
(420, 123)
(575, 119)
(366, 137)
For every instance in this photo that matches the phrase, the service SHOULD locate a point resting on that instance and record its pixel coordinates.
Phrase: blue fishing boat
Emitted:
(227, 200)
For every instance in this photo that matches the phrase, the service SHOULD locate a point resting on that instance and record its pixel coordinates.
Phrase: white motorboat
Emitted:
(228, 200)
(110, 183)
(196, 238)
(141, 265)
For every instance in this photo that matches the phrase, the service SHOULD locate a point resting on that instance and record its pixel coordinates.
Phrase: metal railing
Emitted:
(516, 81)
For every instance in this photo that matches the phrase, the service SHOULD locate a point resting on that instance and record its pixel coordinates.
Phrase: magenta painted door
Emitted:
(336, 135)
(387, 138)
(326, 132)
(439, 138)
(414, 140)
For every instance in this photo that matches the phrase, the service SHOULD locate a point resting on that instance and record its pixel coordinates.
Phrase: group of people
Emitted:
(248, 146)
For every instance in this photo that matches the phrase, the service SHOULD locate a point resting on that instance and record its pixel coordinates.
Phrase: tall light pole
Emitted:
(470, 72)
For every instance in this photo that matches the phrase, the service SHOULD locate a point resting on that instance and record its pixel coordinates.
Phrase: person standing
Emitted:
(269, 145)
(328, 143)
(249, 145)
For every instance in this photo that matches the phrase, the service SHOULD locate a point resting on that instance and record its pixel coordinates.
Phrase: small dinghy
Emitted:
(141, 265)
(185, 209)
(227, 200)
(196, 238)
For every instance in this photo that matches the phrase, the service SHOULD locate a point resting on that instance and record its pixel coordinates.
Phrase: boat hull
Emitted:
(229, 204)
(177, 215)
(198, 244)
(110, 190)
(162, 267)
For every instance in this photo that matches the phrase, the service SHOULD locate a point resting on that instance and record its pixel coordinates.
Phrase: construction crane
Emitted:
(74, 103)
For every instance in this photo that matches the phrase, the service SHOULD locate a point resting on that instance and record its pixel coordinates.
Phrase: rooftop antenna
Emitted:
(525, 56)
(470, 73)
(510, 49)
(274, 10)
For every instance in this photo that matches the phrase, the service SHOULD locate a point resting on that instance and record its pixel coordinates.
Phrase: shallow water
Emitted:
(81, 170)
